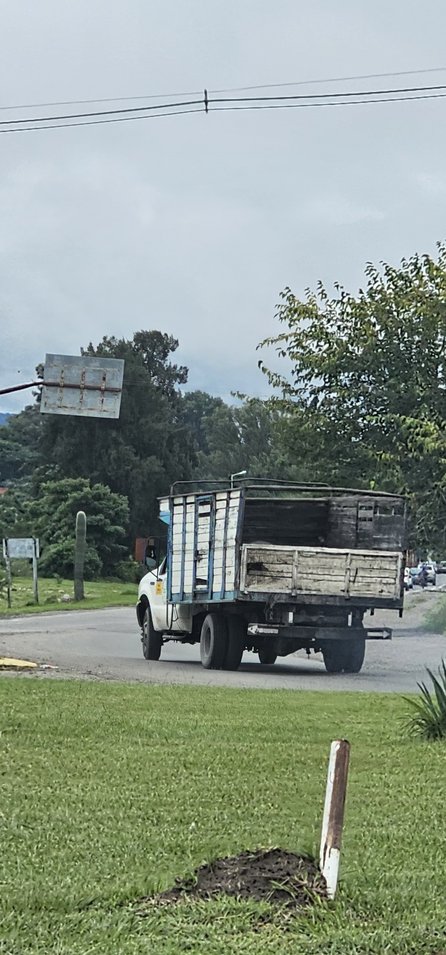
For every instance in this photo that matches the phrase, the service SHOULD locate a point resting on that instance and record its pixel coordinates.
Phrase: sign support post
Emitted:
(8, 575)
(35, 581)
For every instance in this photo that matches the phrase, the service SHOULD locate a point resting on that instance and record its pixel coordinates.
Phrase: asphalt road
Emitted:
(105, 644)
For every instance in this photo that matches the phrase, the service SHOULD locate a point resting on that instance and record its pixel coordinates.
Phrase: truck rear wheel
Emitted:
(152, 640)
(354, 655)
(213, 641)
(267, 655)
(237, 630)
(344, 655)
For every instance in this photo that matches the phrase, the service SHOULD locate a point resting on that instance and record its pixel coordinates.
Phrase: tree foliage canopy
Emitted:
(365, 401)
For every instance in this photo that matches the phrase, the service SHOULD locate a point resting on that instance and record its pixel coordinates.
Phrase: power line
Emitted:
(219, 104)
(350, 102)
(106, 99)
(332, 79)
(102, 122)
(313, 96)
(104, 112)
(231, 89)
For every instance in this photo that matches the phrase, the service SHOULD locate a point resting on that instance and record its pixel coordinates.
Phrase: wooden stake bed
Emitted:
(307, 545)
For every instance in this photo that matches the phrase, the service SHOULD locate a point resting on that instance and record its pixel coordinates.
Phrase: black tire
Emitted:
(152, 640)
(213, 641)
(333, 654)
(354, 655)
(267, 655)
(344, 656)
(237, 630)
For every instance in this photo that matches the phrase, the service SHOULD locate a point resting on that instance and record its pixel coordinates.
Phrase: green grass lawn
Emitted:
(435, 620)
(98, 594)
(108, 792)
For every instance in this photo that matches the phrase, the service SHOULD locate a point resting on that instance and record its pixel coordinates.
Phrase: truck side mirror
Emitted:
(151, 558)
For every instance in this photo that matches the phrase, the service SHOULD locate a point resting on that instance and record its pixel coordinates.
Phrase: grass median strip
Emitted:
(53, 595)
(109, 793)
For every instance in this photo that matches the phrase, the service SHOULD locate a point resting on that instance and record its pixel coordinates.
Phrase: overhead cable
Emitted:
(350, 102)
(102, 122)
(332, 79)
(231, 89)
(313, 96)
(104, 112)
(218, 104)
(104, 99)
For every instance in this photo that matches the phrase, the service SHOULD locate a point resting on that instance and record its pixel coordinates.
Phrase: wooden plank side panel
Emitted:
(375, 557)
(376, 588)
(342, 522)
(333, 589)
(285, 521)
(183, 529)
(178, 524)
(230, 564)
(269, 584)
(219, 519)
(225, 532)
(321, 571)
(220, 529)
(267, 562)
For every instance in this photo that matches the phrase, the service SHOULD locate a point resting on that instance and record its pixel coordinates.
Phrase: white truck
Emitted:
(274, 568)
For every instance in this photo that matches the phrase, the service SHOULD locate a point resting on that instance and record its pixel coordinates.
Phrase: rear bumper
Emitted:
(318, 634)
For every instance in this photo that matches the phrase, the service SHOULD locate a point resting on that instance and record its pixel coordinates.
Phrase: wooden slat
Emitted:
(257, 575)
(269, 584)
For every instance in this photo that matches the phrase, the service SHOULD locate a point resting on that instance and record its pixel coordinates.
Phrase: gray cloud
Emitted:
(194, 224)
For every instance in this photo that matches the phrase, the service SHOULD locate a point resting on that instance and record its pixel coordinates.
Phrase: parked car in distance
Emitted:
(440, 567)
(417, 573)
(408, 580)
(431, 572)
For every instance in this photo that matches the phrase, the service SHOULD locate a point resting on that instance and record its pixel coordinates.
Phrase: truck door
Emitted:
(204, 549)
(167, 616)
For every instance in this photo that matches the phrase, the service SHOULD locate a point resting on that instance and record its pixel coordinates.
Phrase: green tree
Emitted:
(14, 511)
(155, 348)
(19, 445)
(247, 437)
(365, 401)
(52, 517)
(196, 410)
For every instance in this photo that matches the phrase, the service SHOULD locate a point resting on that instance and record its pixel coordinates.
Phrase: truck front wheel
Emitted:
(152, 640)
(213, 641)
(344, 655)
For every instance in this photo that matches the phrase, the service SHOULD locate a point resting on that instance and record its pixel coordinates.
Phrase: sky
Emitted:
(194, 224)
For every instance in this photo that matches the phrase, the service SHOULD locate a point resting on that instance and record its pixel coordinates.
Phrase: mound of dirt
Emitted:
(271, 875)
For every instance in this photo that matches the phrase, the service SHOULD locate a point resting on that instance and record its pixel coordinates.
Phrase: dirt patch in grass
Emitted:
(273, 875)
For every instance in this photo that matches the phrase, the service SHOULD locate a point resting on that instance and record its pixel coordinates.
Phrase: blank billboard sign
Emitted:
(85, 386)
